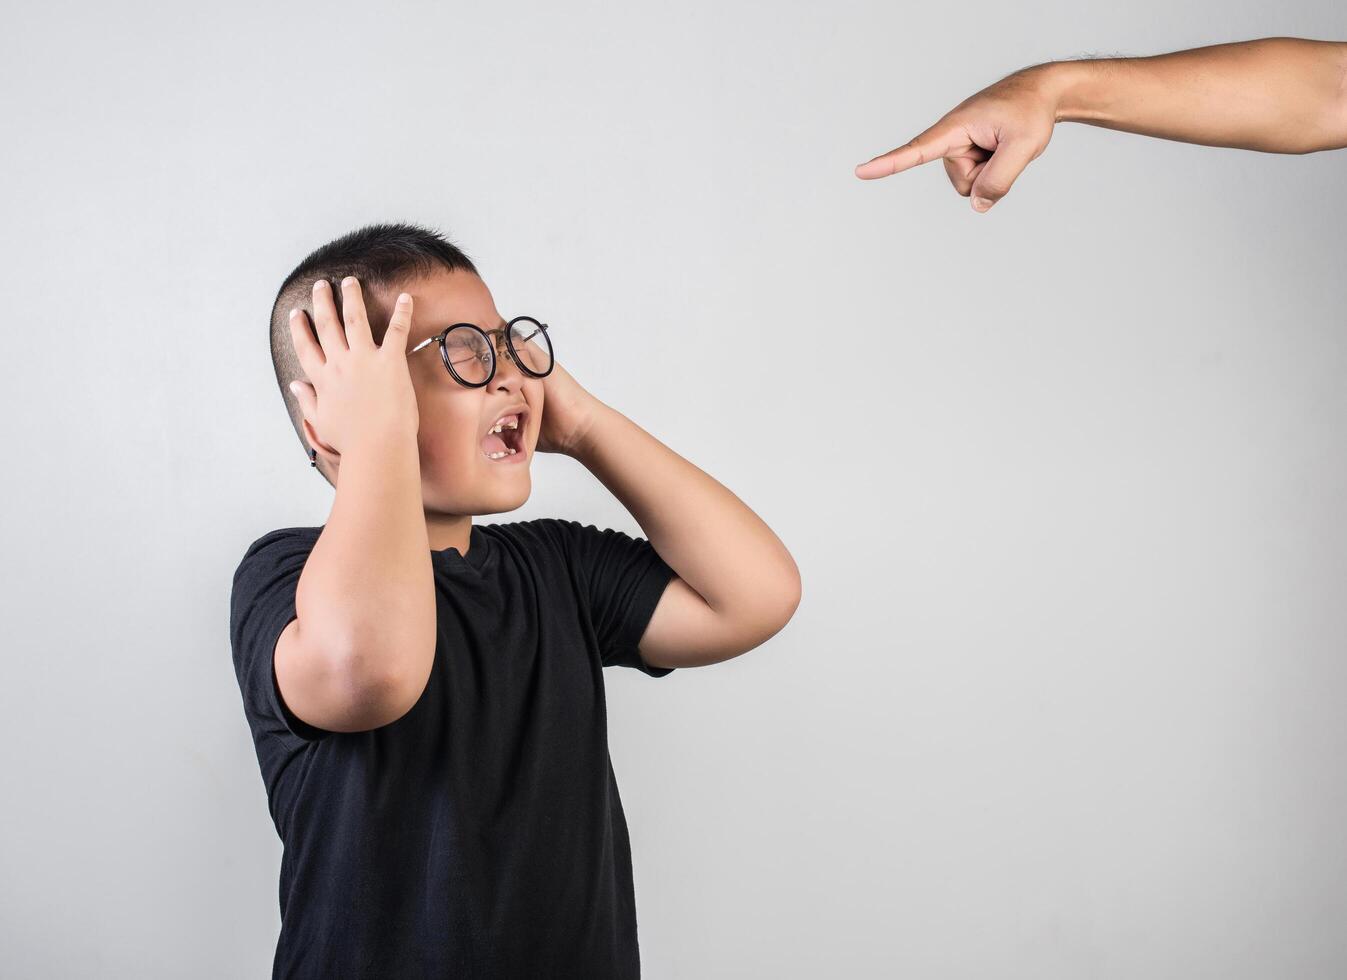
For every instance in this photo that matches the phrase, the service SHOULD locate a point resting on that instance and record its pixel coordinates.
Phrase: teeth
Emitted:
(496, 429)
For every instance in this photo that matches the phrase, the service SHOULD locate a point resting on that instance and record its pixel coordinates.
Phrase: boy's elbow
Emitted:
(780, 602)
(379, 687)
(1337, 124)
(790, 596)
(791, 591)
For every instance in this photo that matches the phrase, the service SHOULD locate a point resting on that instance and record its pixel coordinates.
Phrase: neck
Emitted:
(449, 531)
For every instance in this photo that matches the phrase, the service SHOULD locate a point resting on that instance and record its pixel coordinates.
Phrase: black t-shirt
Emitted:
(481, 834)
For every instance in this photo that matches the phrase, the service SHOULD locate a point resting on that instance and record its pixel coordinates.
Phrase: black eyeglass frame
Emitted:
(508, 331)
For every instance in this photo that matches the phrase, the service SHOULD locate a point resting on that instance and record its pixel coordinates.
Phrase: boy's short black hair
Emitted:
(383, 257)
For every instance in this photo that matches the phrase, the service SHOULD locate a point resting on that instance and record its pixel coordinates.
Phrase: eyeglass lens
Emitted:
(471, 352)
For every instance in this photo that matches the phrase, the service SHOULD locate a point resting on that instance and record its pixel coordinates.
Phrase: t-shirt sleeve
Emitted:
(621, 578)
(262, 604)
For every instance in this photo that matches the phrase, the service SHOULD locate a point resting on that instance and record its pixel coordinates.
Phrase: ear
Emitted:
(324, 450)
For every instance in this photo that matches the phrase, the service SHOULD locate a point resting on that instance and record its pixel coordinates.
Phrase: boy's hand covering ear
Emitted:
(986, 141)
(356, 391)
(568, 410)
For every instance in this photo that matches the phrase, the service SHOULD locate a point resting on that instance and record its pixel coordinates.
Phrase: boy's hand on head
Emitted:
(986, 141)
(568, 411)
(356, 391)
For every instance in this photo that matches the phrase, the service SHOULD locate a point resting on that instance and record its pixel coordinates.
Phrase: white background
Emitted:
(1065, 481)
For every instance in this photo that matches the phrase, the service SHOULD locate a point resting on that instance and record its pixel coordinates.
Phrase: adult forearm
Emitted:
(710, 537)
(1282, 95)
(367, 591)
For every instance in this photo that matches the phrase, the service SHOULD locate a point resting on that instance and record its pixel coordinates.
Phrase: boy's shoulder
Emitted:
(285, 534)
(282, 540)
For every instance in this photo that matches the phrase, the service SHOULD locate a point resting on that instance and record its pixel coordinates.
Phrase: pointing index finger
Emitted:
(930, 145)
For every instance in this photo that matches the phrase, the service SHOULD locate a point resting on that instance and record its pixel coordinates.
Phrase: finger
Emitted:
(930, 145)
(307, 398)
(305, 343)
(330, 334)
(999, 173)
(353, 312)
(961, 170)
(399, 325)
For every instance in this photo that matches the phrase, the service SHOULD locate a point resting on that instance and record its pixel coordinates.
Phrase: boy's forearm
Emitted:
(1282, 95)
(710, 537)
(367, 594)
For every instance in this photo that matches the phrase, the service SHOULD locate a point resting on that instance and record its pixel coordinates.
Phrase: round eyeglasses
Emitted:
(470, 355)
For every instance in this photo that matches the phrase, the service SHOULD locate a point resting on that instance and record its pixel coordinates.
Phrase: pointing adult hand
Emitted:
(1277, 95)
(985, 141)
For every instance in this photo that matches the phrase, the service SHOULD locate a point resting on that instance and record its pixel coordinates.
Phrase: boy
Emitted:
(426, 694)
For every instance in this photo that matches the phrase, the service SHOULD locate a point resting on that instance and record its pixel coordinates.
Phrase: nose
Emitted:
(503, 355)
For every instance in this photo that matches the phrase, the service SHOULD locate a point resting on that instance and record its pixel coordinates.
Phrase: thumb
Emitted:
(999, 172)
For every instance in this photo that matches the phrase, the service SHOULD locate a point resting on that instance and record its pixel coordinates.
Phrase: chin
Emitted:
(491, 487)
(496, 493)
(503, 503)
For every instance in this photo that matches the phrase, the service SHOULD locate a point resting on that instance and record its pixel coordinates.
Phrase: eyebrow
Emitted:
(503, 322)
(435, 332)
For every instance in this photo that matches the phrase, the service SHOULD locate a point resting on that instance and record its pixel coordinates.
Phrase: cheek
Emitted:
(447, 444)
(448, 429)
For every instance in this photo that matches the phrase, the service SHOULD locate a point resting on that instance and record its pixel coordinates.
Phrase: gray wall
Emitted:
(1062, 698)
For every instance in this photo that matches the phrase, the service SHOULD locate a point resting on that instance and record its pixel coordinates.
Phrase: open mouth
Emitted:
(505, 438)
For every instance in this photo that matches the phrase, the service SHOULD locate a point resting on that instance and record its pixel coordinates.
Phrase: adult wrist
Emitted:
(1076, 90)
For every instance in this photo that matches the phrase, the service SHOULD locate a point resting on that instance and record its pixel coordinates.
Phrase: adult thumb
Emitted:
(999, 172)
